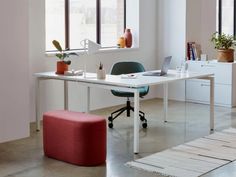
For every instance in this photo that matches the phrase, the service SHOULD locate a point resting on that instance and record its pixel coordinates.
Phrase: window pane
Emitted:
(112, 21)
(82, 22)
(55, 22)
(228, 17)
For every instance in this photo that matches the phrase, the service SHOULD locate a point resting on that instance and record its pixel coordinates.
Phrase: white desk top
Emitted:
(117, 80)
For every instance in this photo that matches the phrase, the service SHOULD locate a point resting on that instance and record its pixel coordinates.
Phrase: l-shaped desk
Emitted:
(116, 82)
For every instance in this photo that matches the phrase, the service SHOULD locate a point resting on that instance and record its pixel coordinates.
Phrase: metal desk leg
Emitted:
(212, 97)
(136, 121)
(65, 95)
(88, 100)
(165, 101)
(37, 103)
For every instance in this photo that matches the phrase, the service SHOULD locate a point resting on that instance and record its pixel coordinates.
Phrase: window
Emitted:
(112, 21)
(226, 10)
(55, 23)
(71, 21)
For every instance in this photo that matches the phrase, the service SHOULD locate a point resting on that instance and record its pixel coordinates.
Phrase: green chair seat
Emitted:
(142, 92)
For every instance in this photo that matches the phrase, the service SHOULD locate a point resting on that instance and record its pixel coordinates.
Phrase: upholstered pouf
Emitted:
(74, 137)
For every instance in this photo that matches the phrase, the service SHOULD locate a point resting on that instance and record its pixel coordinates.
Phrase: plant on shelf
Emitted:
(224, 44)
(62, 64)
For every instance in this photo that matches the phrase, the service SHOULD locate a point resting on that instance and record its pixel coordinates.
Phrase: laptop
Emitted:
(164, 68)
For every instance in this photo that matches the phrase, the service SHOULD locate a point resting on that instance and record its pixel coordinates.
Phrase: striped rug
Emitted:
(192, 159)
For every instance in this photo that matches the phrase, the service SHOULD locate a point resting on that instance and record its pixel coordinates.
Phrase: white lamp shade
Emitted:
(93, 47)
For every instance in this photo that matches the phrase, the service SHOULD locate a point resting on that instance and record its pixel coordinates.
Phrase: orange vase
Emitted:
(128, 38)
(121, 42)
(61, 67)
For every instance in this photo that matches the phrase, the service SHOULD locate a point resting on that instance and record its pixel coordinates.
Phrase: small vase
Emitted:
(128, 38)
(61, 67)
(101, 74)
(121, 42)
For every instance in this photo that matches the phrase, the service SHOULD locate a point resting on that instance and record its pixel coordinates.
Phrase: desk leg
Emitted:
(165, 101)
(136, 121)
(88, 100)
(37, 103)
(212, 102)
(65, 95)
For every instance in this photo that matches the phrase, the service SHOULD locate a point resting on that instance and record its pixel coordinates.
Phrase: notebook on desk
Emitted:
(164, 68)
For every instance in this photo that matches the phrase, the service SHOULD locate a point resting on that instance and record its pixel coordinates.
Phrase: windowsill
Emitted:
(109, 50)
(103, 50)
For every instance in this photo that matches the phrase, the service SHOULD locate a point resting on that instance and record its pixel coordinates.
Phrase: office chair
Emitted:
(127, 68)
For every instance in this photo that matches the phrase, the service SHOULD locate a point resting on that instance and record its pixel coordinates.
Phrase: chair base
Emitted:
(127, 108)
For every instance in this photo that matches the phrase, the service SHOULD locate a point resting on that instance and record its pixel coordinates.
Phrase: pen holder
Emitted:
(101, 74)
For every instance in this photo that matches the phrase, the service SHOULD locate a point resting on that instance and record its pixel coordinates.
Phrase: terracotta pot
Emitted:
(225, 55)
(128, 38)
(61, 67)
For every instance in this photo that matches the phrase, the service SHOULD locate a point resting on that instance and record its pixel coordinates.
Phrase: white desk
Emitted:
(129, 85)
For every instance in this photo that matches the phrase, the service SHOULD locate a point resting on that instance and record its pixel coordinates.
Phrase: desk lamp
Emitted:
(90, 48)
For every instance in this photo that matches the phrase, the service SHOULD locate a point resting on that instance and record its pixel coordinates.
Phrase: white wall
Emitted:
(171, 30)
(180, 22)
(52, 97)
(208, 27)
(201, 24)
(194, 21)
(14, 70)
(36, 46)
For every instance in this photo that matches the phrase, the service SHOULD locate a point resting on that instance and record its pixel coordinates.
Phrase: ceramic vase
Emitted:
(61, 67)
(101, 74)
(128, 38)
(121, 42)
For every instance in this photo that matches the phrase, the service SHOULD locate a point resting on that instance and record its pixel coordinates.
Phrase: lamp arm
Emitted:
(90, 47)
(84, 44)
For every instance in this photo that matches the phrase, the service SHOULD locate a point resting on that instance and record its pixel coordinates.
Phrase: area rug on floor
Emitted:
(192, 159)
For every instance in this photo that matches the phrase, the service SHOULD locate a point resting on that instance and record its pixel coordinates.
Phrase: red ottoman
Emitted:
(74, 137)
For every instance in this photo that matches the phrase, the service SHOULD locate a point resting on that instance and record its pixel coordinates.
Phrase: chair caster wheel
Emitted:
(142, 118)
(110, 125)
(144, 125)
(110, 118)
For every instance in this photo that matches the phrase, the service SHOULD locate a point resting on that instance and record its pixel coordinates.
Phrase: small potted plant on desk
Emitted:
(101, 73)
(224, 44)
(62, 64)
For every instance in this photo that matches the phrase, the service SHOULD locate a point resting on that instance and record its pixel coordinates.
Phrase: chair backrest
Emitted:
(126, 68)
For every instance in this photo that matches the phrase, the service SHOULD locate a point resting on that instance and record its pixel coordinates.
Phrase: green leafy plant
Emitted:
(63, 54)
(222, 41)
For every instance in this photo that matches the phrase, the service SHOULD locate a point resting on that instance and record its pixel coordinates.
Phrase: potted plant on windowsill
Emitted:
(62, 64)
(224, 44)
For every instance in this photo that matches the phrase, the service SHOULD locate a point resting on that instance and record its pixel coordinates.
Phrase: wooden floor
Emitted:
(186, 122)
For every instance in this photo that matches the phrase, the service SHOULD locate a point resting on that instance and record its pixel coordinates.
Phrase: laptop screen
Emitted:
(165, 65)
